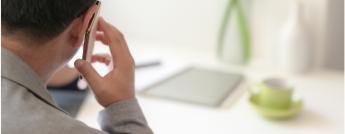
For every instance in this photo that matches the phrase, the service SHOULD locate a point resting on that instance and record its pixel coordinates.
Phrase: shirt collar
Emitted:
(17, 70)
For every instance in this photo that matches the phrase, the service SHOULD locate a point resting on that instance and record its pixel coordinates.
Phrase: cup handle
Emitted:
(251, 86)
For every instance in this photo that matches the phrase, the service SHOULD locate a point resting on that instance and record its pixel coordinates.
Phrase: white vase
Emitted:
(295, 44)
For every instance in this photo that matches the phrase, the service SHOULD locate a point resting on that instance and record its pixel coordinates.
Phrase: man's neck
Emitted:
(37, 58)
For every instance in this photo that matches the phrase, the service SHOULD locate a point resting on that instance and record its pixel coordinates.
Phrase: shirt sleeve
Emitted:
(124, 117)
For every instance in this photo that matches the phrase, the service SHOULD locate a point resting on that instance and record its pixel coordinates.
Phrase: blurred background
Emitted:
(197, 23)
(302, 40)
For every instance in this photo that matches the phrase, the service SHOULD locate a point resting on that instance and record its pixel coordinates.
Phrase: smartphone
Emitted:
(90, 36)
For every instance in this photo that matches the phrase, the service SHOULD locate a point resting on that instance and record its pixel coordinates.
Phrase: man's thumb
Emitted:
(87, 71)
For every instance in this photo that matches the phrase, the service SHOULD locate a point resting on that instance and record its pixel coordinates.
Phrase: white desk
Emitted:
(323, 94)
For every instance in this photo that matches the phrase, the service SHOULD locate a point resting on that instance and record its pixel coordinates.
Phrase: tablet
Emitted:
(199, 86)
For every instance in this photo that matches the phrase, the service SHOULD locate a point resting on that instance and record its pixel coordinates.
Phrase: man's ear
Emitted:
(81, 26)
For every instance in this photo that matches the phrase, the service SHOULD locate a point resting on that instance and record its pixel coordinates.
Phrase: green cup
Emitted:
(273, 93)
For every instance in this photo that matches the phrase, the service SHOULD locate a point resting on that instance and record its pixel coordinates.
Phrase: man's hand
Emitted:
(118, 84)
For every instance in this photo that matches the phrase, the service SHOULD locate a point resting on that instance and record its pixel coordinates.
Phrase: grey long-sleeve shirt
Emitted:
(27, 106)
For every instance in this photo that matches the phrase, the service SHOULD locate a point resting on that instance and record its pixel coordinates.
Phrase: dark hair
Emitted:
(42, 20)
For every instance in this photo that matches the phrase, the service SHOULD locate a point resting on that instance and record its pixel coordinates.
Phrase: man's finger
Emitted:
(116, 49)
(102, 58)
(111, 66)
(101, 37)
(122, 38)
(88, 72)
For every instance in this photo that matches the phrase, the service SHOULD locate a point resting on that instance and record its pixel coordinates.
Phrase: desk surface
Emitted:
(322, 91)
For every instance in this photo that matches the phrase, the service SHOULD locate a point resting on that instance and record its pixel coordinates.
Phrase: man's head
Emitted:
(40, 20)
(45, 33)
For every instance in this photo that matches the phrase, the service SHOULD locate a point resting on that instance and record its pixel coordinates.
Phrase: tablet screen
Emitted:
(197, 86)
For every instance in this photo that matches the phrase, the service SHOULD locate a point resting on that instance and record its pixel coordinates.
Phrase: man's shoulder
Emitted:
(13, 92)
(23, 112)
(20, 106)
(16, 98)
(6, 89)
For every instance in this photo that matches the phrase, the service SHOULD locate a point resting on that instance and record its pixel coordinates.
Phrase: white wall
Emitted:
(197, 22)
(175, 21)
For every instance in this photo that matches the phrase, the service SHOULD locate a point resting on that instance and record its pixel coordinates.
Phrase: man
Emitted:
(40, 37)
